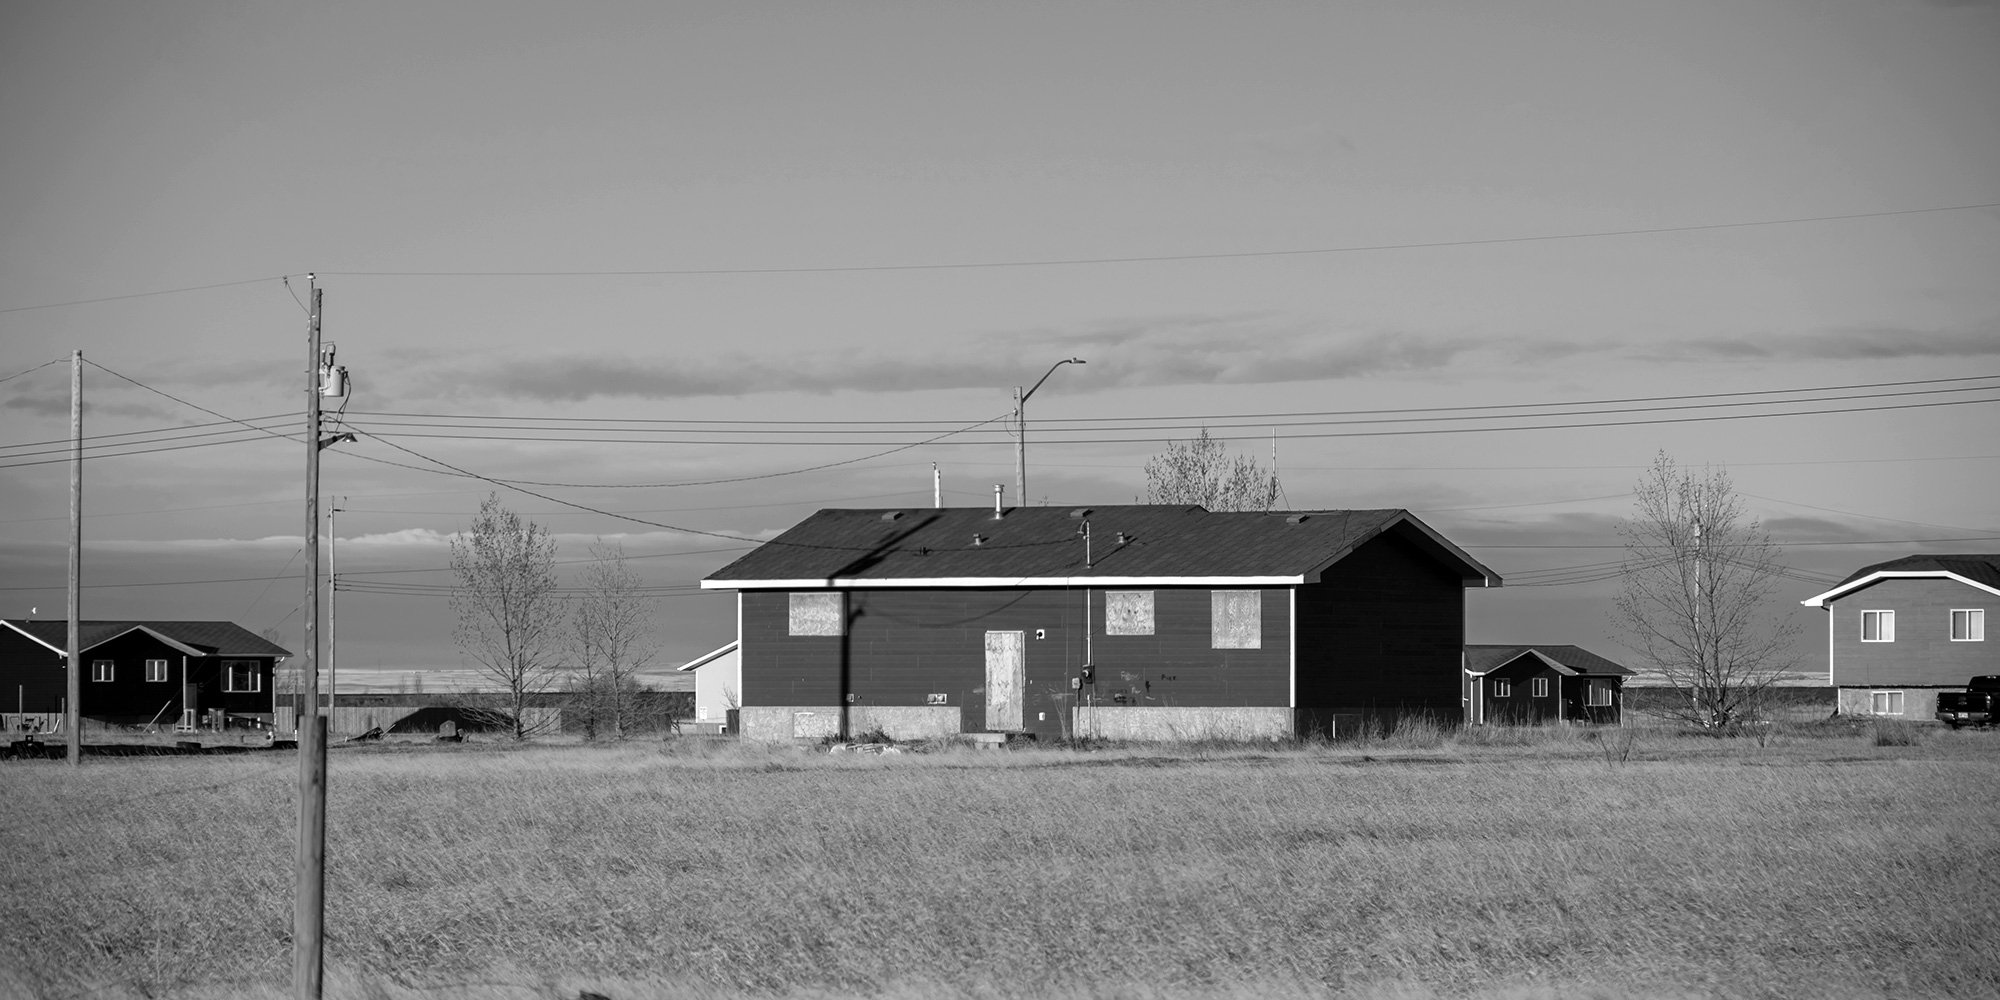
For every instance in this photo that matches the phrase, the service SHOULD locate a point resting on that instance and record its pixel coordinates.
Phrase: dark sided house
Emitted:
(1146, 622)
(1899, 632)
(176, 672)
(1540, 685)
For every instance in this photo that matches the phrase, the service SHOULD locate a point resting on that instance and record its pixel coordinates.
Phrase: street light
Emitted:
(1021, 422)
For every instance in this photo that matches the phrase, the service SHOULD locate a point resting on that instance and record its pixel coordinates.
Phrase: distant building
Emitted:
(173, 673)
(1898, 632)
(718, 683)
(1538, 685)
(1143, 622)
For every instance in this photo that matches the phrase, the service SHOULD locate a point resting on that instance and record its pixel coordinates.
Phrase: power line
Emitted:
(1159, 258)
(499, 420)
(37, 368)
(141, 295)
(1315, 435)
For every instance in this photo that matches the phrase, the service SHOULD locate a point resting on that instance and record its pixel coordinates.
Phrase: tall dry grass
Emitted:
(1826, 867)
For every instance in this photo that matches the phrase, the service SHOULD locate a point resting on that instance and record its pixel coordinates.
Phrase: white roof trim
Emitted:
(850, 583)
(711, 656)
(1566, 671)
(1819, 600)
(34, 639)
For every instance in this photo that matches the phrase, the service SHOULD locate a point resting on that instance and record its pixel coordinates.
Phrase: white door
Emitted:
(1006, 675)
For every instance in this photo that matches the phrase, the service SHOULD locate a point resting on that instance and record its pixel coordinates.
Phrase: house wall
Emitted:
(1922, 653)
(1568, 697)
(905, 646)
(32, 678)
(1383, 634)
(718, 687)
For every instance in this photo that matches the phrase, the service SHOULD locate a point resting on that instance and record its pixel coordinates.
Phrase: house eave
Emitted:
(1819, 600)
(991, 582)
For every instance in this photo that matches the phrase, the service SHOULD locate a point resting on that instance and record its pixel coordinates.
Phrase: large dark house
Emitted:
(139, 673)
(1145, 622)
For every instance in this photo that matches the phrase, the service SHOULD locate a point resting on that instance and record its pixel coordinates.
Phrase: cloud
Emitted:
(1241, 348)
(1851, 344)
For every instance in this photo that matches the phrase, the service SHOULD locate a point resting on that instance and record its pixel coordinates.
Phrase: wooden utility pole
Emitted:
(73, 706)
(309, 872)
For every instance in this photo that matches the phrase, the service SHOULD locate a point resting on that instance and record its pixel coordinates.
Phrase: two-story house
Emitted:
(1898, 632)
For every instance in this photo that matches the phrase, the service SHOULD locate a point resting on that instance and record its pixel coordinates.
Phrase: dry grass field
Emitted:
(1819, 861)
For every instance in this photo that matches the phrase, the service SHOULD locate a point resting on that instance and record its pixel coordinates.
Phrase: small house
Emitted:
(1899, 632)
(1540, 685)
(171, 673)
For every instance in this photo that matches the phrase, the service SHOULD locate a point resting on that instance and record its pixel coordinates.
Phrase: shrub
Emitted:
(1892, 733)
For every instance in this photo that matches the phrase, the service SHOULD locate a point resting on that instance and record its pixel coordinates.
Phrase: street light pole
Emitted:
(1021, 424)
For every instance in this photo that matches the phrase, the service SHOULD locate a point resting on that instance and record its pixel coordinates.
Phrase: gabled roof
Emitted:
(1571, 661)
(1973, 570)
(711, 656)
(1127, 545)
(192, 638)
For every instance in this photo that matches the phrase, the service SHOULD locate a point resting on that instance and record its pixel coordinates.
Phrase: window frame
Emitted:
(1885, 624)
(255, 675)
(1538, 687)
(162, 678)
(104, 671)
(1599, 695)
(1502, 688)
(1125, 627)
(1892, 699)
(1218, 637)
(1975, 619)
(794, 605)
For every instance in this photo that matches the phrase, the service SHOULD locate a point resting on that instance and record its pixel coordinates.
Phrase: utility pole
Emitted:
(73, 706)
(1021, 424)
(309, 869)
(332, 635)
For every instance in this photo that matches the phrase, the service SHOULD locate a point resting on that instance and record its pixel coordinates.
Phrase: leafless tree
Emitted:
(1698, 578)
(509, 615)
(1201, 472)
(611, 635)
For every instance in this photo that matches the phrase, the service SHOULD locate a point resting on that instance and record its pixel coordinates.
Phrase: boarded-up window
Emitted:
(1128, 612)
(1237, 619)
(1600, 694)
(816, 614)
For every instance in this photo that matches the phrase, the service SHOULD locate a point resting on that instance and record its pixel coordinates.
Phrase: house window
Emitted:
(1878, 626)
(1968, 625)
(241, 676)
(1539, 687)
(156, 671)
(1600, 694)
(102, 670)
(1885, 702)
(1128, 612)
(1236, 619)
(1503, 689)
(817, 613)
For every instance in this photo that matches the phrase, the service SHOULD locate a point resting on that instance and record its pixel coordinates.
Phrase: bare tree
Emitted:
(1201, 472)
(509, 617)
(1695, 599)
(611, 633)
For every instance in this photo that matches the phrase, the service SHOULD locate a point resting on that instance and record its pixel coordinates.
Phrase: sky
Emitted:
(699, 269)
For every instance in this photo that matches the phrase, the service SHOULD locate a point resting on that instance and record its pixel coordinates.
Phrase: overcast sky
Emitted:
(825, 215)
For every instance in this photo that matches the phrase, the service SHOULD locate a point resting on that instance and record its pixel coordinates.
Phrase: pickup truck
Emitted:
(1973, 706)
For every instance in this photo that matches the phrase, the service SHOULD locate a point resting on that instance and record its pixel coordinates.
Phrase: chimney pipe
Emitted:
(998, 510)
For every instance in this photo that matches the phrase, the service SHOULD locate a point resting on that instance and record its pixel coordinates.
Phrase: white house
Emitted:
(718, 685)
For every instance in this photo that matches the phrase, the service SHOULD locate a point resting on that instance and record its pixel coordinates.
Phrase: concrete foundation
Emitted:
(1132, 722)
(903, 722)
(1919, 703)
